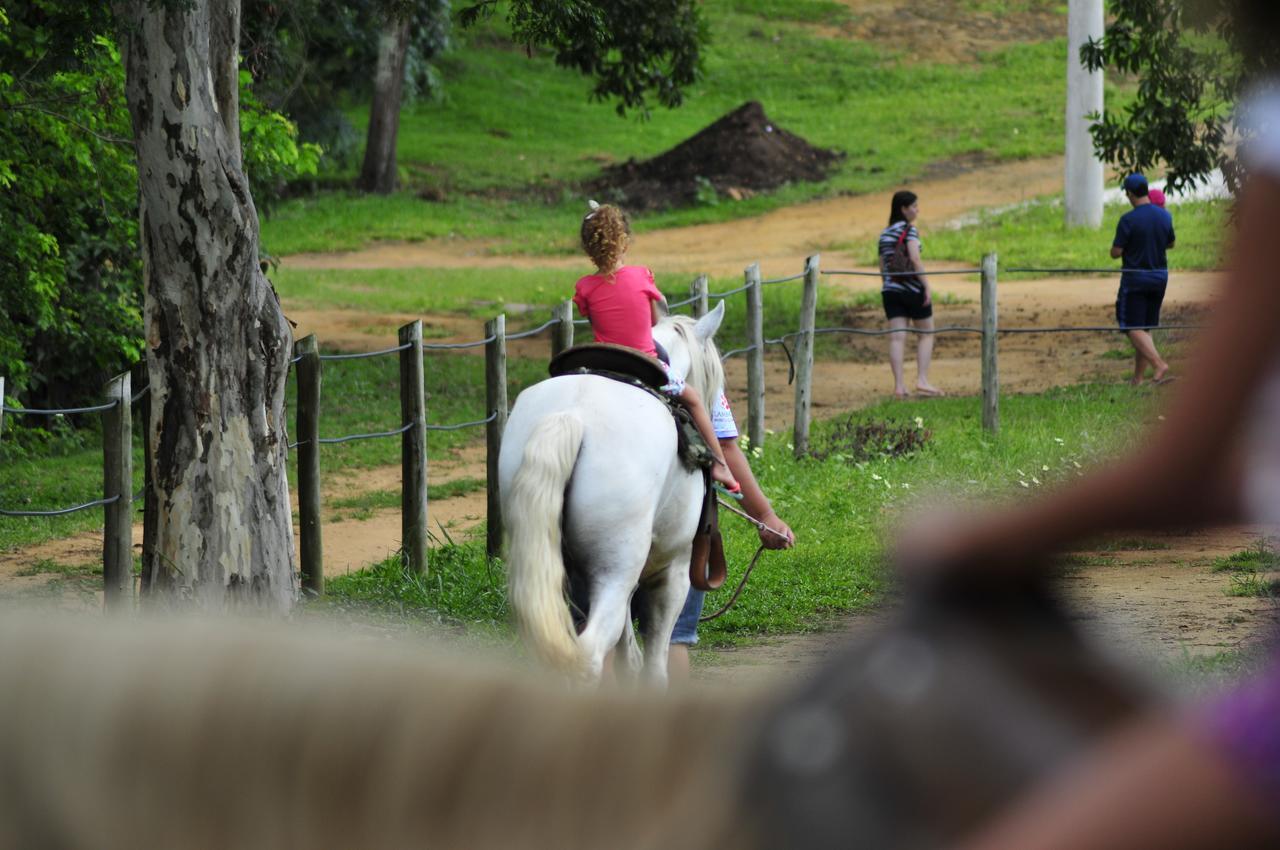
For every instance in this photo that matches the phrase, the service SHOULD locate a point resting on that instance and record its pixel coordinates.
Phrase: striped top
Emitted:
(888, 241)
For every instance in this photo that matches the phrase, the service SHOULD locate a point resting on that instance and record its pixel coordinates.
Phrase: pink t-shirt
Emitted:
(618, 306)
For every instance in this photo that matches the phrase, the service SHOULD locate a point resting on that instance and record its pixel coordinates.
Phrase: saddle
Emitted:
(707, 568)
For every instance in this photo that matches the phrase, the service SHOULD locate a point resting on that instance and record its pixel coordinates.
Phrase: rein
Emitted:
(751, 566)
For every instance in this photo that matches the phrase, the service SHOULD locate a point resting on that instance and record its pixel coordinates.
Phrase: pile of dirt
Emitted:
(739, 155)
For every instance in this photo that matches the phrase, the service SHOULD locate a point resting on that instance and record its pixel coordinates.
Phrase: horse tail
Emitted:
(535, 565)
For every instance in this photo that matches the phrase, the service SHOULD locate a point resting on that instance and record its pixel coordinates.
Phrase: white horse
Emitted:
(589, 464)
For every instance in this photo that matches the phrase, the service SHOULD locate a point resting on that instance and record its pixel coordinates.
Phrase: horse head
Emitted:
(691, 346)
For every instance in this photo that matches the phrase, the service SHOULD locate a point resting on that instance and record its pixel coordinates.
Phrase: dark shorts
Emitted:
(1139, 308)
(905, 305)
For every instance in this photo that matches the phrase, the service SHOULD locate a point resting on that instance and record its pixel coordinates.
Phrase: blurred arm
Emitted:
(1156, 787)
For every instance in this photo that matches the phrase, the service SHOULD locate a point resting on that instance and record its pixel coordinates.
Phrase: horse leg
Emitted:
(606, 621)
(666, 598)
(627, 659)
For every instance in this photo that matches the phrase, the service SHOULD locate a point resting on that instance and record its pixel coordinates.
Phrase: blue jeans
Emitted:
(686, 630)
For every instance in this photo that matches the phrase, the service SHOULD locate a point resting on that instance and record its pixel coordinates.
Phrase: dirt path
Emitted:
(1161, 602)
(779, 240)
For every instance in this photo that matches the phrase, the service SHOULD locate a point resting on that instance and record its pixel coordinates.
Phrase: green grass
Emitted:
(496, 143)
(47, 566)
(1252, 571)
(358, 397)
(1035, 235)
(840, 510)
(56, 474)
(364, 505)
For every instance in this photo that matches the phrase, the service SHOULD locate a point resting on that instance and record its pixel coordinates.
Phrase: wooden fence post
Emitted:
(804, 355)
(990, 371)
(702, 302)
(117, 481)
(495, 392)
(413, 451)
(141, 379)
(755, 357)
(561, 333)
(307, 434)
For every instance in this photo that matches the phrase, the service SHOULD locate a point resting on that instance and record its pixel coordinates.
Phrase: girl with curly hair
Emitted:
(623, 304)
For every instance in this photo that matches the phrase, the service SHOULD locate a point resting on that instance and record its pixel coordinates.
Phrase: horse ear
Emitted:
(707, 326)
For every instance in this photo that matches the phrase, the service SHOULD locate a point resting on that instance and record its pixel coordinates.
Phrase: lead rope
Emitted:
(751, 566)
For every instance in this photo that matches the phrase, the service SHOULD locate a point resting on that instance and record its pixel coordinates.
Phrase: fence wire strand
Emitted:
(926, 273)
(62, 511)
(59, 411)
(442, 346)
(460, 425)
(534, 331)
(363, 354)
(786, 279)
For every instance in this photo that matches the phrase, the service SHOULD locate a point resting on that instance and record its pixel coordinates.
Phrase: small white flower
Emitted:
(919, 422)
(1059, 441)
(1025, 484)
(1044, 467)
(1077, 466)
(1021, 474)
(876, 477)
(1036, 480)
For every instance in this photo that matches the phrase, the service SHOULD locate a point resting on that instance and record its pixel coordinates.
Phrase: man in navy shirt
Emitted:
(1142, 237)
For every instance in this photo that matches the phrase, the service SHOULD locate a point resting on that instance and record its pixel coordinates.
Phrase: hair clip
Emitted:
(594, 207)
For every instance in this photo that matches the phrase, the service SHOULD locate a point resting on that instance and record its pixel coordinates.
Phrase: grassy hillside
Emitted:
(512, 136)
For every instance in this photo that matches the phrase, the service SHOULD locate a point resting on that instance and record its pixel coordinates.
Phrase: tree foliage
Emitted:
(634, 49)
(1194, 60)
(300, 53)
(69, 267)
(70, 274)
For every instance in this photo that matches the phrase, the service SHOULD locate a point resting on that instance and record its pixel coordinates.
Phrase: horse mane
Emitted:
(706, 374)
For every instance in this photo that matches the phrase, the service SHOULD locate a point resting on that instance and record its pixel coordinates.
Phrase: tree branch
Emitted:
(115, 140)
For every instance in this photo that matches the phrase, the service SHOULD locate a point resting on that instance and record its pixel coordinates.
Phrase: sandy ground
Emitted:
(1159, 604)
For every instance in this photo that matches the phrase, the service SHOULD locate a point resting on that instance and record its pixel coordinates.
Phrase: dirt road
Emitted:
(778, 240)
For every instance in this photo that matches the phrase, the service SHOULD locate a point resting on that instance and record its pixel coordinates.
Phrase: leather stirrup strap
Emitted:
(707, 567)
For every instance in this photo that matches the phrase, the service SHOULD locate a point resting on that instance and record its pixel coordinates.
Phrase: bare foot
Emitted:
(901, 395)
(1135, 382)
(1165, 379)
(1158, 376)
(929, 390)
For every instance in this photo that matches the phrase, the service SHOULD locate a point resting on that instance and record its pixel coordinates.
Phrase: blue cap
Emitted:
(1136, 185)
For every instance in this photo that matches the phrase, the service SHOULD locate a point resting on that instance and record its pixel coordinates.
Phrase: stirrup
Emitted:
(732, 494)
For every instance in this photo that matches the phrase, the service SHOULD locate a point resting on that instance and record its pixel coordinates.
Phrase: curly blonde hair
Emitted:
(606, 232)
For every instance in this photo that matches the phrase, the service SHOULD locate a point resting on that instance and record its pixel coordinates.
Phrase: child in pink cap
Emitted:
(1156, 197)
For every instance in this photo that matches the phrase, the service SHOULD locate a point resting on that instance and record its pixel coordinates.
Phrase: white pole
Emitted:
(1083, 179)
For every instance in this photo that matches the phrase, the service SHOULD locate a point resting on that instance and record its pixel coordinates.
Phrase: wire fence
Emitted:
(797, 345)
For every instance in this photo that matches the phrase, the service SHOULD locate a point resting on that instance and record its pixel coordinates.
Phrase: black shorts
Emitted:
(1139, 308)
(905, 305)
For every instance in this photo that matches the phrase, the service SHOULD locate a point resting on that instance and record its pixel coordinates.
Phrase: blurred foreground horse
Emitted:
(178, 735)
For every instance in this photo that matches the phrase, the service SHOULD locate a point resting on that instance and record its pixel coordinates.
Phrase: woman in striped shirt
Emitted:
(906, 296)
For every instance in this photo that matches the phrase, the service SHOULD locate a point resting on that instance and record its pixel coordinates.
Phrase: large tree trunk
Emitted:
(218, 344)
(378, 173)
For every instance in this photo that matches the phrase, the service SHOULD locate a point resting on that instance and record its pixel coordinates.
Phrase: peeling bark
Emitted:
(379, 173)
(218, 344)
